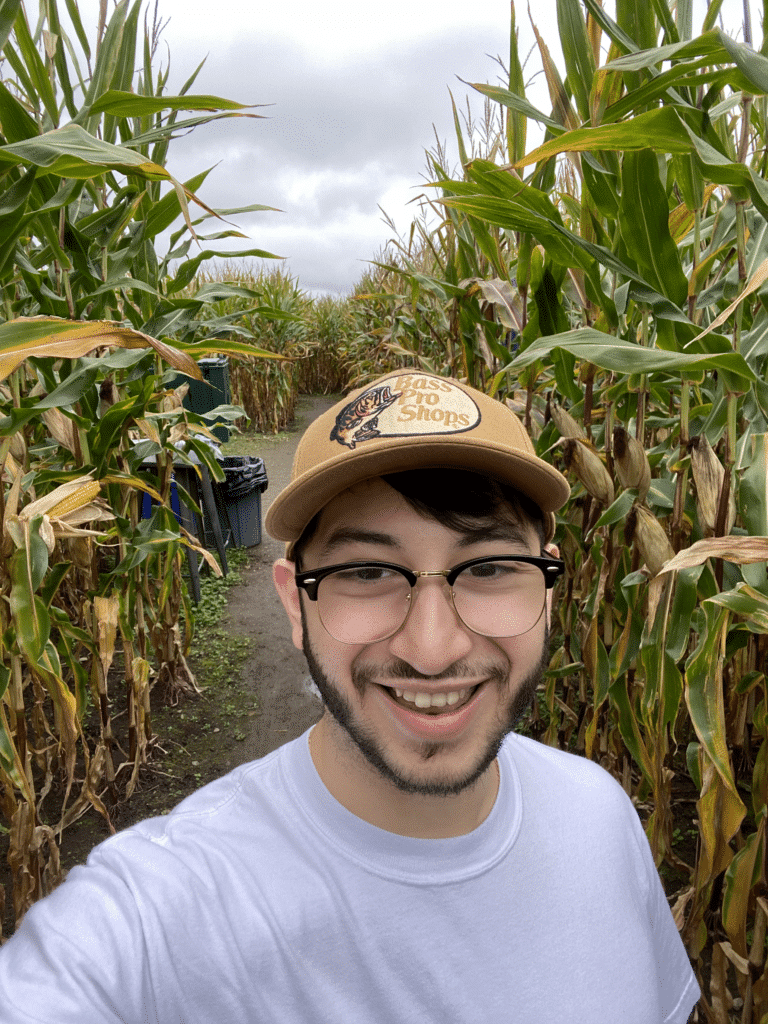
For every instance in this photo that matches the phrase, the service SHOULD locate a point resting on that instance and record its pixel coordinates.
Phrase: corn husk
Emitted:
(708, 474)
(588, 467)
(645, 530)
(18, 447)
(60, 427)
(632, 466)
(565, 423)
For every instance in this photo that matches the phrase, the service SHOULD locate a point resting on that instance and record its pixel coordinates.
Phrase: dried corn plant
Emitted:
(629, 254)
(93, 597)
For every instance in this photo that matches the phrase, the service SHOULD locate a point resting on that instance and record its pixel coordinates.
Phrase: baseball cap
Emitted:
(409, 420)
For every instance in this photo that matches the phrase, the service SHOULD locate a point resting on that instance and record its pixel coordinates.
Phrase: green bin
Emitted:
(213, 390)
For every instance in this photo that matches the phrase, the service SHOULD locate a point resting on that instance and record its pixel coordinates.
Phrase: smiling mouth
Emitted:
(431, 703)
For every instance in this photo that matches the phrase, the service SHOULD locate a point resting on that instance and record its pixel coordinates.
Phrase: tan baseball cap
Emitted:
(411, 420)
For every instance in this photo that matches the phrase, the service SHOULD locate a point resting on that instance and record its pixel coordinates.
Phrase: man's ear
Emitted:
(554, 552)
(283, 573)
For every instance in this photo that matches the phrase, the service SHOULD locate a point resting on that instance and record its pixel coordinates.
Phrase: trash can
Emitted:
(246, 479)
(148, 503)
(214, 389)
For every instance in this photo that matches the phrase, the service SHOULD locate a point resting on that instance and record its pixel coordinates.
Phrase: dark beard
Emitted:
(341, 710)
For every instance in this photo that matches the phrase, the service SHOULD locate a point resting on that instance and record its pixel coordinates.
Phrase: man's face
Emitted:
(487, 683)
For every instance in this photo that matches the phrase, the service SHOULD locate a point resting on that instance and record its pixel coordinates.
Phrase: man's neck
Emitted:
(366, 793)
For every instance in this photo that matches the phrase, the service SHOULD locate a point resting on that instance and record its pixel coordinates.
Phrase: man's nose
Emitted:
(433, 636)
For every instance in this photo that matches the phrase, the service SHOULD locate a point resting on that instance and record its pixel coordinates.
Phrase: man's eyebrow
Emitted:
(515, 534)
(351, 535)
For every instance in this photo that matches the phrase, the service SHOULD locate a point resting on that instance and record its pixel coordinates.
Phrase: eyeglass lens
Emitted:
(364, 604)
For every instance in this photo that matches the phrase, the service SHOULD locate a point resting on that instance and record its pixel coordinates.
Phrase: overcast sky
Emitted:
(355, 89)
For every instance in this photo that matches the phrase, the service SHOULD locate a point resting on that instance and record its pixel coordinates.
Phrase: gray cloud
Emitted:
(339, 141)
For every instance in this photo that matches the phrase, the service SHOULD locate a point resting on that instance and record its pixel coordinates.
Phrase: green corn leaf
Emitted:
(120, 103)
(663, 689)
(186, 272)
(683, 18)
(748, 603)
(13, 214)
(9, 10)
(618, 511)
(660, 130)
(713, 12)
(704, 693)
(164, 132)
(30, 616)
(614, 32)
(163, 213)
(464, 159)
(35, 67)
(662, 12)
(602, 185)
(60, 59)
(223, 346)
(630, 729)
(517, 122)
(8, 753)
(684, 76)
(741, 876)
(623, 356)
(74, 14)
(684, 602)
(715, 47)
(16, 122)
(644, 223)
(71, 152)
(51, 584)
(513, 101)
(577, 53)
(753, 505)
(71, 389)
(106, 61)
(689, 180)
(638, 21)
(709, 45)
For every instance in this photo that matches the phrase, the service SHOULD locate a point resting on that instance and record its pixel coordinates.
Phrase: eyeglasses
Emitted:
(496, 596)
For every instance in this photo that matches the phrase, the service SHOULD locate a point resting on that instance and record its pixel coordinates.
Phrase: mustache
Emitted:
(363, 675)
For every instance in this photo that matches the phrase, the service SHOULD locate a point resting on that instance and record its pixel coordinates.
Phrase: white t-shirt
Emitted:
(262, 899)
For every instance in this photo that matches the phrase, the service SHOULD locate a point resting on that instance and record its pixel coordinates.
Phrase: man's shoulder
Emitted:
(572, 776)
(210, 817)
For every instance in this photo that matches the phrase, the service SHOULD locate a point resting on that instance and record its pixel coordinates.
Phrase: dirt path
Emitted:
(264, 701)
(278, 672)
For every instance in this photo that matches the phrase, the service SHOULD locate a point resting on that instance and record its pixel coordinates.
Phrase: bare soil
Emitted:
(256, 691)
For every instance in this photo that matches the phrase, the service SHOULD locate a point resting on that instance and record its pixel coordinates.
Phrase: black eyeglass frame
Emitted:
(310, 580)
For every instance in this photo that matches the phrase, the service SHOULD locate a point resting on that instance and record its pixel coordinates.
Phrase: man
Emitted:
(409, 859)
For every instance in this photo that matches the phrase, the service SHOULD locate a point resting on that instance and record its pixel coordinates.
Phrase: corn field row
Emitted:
(609, 284)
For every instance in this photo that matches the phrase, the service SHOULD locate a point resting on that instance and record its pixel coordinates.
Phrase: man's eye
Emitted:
(364, 574)
(489, 570)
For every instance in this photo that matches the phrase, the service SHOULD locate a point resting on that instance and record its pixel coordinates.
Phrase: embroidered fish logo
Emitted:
(359, 420)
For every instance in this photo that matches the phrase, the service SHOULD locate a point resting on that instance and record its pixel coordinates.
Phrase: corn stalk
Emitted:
(636, 235)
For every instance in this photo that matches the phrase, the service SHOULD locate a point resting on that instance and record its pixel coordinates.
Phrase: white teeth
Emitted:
(432, 700)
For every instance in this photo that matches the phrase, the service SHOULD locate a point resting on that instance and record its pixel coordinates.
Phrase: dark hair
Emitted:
(457, 498)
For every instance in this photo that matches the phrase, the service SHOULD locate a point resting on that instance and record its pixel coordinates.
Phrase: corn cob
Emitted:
(587, 466)
(708, 475)
(632, 466)
(645, 530)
